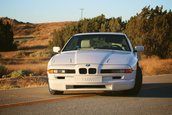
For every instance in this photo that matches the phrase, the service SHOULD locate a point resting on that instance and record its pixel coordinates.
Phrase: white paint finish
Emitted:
(94, 57)
(98, 59)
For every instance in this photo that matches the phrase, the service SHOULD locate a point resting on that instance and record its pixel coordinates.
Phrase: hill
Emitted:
(32, 41)
(43, 30)
(33, 36)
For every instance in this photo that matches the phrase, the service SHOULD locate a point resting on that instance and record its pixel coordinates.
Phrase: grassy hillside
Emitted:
(42, 30)
(31, 57)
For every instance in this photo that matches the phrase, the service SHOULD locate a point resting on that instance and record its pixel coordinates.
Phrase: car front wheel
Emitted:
(54, 92)
(138, 83)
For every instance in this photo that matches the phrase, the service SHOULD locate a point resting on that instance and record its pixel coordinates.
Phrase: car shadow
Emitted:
(161, 90)
(156, 90)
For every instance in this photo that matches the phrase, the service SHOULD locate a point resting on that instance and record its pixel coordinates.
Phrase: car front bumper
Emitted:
(92, 82)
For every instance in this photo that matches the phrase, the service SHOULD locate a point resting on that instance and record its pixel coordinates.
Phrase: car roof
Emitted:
(100, 33)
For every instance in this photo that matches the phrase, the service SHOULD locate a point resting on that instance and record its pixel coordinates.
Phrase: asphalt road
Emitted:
(155, 98)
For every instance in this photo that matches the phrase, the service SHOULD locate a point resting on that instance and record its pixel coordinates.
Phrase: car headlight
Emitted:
(130, 70)
(60, 71)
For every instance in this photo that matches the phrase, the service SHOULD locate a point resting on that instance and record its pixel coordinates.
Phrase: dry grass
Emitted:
(150, 66)
(8, 83)
(32, 54)
(41, 29)
(36, 69)
(34, 44)
(45, 29)
(9, 54)
(155, 66)
(36, 66)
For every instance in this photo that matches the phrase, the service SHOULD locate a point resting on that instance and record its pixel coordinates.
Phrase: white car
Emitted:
(95, 61)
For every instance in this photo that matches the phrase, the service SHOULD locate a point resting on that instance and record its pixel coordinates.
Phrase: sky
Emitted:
(40, 11)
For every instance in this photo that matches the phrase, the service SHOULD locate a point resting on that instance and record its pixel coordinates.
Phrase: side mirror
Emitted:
(139, 49)
(56, 49)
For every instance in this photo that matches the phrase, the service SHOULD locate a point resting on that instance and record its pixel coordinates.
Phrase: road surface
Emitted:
(155, 98)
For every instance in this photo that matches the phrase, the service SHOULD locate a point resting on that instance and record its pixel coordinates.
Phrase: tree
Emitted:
(97, 24)
(153, 29)
(6, 36)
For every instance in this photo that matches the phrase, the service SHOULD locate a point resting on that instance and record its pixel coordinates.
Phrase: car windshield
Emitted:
(91, 42)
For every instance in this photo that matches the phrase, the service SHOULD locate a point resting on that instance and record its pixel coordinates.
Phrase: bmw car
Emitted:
(95, 62)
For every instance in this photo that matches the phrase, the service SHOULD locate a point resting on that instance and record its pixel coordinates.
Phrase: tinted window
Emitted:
(87, 42)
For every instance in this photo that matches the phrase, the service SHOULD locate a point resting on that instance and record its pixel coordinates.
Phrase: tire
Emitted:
(138, 83)
(54, 92)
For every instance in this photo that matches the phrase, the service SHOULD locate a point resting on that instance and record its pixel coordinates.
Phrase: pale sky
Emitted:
(38, 11)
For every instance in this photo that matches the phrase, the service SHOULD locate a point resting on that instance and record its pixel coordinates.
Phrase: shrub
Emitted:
(97, 24)
(3, 70)
(6, 36)
(21, 54)
(0, 56)
(154, 66)
(42, 54)
(19, 73)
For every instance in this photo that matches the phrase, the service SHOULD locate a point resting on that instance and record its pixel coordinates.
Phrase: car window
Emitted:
(86, 42)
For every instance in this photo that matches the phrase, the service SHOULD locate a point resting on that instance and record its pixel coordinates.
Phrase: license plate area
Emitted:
(88, 78)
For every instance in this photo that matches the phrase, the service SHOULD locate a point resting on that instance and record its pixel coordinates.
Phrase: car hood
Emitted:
(93, 57)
